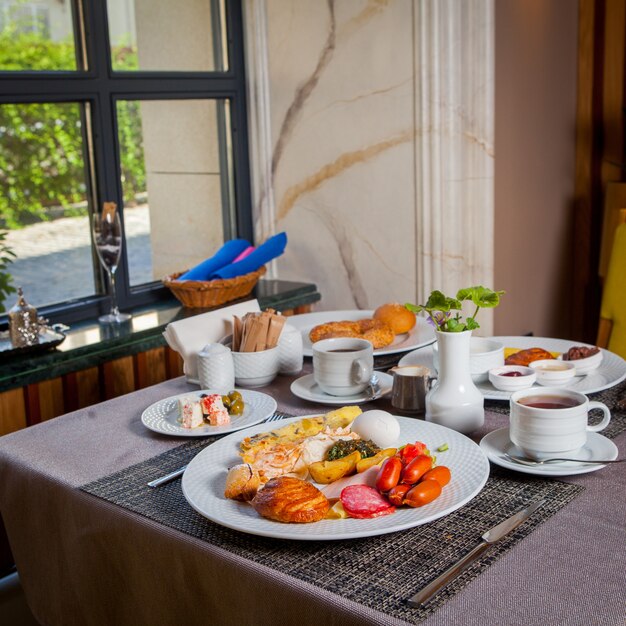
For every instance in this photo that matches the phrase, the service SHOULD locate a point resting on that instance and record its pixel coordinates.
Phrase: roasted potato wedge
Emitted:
(379, 457)
(326, 472)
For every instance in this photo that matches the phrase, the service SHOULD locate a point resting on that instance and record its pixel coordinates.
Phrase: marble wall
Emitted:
(374, 122)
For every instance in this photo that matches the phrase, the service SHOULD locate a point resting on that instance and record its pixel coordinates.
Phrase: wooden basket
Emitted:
(197, 294)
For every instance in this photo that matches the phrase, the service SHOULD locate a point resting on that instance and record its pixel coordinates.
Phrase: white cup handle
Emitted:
(605, 420)
(360, 371)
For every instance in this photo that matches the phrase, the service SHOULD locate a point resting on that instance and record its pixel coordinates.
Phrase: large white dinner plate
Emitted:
(497, 443)
(612, 369)
(421, 334)
(162, 416)
(306, 388)
(204, 479)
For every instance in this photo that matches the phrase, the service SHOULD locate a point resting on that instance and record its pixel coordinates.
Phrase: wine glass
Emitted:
(107, 237)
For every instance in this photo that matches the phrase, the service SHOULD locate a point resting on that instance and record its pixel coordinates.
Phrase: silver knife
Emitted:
(488, 539)
(168, 477)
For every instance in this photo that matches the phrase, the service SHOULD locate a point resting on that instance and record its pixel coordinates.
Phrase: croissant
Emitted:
(291, 500)
(525, 357)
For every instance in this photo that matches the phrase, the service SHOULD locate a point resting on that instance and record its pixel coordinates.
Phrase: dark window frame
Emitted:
(99, 88)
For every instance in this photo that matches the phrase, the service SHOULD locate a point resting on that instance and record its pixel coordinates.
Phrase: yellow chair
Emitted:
(612, 327)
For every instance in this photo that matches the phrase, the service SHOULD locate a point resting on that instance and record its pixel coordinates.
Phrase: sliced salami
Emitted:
(364, 502)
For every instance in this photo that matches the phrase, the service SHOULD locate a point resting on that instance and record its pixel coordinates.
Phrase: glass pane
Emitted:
(168, 35)
(37, 36)
(43, 201)
(176, 181)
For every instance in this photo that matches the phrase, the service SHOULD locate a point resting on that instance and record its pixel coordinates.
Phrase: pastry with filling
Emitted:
(291, 501)
(526, 357)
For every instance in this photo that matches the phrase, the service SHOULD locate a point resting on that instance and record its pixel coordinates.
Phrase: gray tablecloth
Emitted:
(84, 561)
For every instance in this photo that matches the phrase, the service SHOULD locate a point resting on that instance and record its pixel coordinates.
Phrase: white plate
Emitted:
(162, 416)
(204, 478)
(496, 443)
(610, 372)
(421, 334)
(306, 388)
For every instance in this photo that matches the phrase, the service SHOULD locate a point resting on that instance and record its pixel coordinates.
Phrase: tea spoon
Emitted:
(531, 462)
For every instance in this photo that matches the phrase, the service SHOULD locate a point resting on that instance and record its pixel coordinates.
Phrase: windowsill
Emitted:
(89, 344)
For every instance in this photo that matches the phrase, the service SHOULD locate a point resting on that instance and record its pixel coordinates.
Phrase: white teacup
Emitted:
(343, 366)
(552, 421)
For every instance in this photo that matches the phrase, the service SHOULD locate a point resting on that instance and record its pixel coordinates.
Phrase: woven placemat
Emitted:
(404, 562)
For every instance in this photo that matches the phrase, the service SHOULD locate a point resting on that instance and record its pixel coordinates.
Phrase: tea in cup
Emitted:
(343, 366)
(552, 422)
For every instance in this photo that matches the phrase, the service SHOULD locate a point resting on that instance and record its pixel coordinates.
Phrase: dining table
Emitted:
(93, 544)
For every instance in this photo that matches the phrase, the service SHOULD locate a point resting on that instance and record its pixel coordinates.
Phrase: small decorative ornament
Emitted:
(23, 323)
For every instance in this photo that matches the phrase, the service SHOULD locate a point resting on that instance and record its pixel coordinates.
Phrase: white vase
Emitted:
(454, 401)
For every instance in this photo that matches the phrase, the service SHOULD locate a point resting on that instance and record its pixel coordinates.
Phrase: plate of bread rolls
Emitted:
(391, 328)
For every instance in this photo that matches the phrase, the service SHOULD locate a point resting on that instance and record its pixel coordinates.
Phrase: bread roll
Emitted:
(396, 316)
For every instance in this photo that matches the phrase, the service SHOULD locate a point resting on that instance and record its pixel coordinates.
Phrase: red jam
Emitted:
(511, 374)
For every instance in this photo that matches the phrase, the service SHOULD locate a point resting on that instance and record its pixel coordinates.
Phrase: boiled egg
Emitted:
(379, 426)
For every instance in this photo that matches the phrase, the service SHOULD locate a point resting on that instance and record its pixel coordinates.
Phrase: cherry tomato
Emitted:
(423, 493)
(389, 474)
(410, 451)
(440, 473)
(416, 469)
(396, 494)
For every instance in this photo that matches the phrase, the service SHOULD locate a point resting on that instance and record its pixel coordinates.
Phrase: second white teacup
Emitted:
(343, 366)
(552, 421)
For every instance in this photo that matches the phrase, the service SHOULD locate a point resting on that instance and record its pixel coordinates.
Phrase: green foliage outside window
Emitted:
(41, 146)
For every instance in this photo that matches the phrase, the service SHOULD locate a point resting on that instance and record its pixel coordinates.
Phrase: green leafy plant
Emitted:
(6, 258)
(444, 313)
(41, 160)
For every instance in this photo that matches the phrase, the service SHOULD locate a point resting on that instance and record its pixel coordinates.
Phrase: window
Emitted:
(136, 102)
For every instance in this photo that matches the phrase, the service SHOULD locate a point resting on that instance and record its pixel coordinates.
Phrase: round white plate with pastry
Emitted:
(610, 372)
(205, 480)
(167, 416)
(421, 334)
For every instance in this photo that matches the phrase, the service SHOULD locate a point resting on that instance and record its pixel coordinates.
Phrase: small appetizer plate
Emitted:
(554, 372)
(586, 365)
(512, 377)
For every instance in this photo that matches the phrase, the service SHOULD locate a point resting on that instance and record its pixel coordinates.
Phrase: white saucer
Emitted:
(307, 389)
(496, 443)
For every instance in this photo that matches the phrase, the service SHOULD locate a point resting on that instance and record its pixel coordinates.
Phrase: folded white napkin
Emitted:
(190, 335)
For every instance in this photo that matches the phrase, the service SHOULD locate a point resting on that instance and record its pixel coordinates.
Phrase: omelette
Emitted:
(289, 450)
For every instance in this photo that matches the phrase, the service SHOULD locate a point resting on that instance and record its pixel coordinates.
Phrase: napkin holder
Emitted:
(197, 294)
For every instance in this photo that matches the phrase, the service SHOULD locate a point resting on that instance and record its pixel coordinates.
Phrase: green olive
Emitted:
(237, 407)
(235, 395)
(227, 402)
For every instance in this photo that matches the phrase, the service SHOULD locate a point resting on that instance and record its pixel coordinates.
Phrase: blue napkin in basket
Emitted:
(267, 251)
(222, 258)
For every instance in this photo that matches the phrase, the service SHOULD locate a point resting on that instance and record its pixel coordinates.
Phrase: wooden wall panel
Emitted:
(150, 368)
(88, 385)
(173, 363)
(599, 147)
(51, 401)
(119, 377)
(12, 411)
